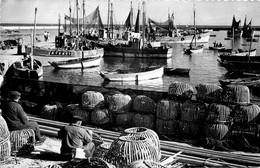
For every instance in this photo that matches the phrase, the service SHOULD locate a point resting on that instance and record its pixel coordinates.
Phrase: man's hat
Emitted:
(77, 118)
(15, 94)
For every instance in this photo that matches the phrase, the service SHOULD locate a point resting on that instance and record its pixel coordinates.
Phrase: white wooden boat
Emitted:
(196, 49)
(76, 63)
(137, 76)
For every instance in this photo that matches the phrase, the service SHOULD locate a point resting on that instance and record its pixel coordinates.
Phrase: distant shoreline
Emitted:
(55, 26)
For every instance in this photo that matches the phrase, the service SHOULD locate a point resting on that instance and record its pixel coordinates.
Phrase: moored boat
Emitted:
(176, 71)
(240, 56)
(146, 74)
(23, 69)
(241, 66)
(250, 81)
(76, 63)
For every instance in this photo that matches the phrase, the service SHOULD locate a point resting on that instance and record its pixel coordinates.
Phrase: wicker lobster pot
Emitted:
(146, 133)
(246, 118)
(180, 91)
(145, 164)
(193, 111)
(218, 113)
(75, 109)
(119, 103)
(50, 111)
(92, 100)
(127, 149)
(166, 127)
(4, 131)
(142, 120)
(144, 104)
(124, 120)
(192, 118)
(167, 109)
(101, 117)
(23, 141)
(5, 149)
(216, 130)
(236, 94)
(209, 93)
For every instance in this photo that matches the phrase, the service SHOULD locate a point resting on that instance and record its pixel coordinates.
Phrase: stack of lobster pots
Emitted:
(206, 110)
(5, 144)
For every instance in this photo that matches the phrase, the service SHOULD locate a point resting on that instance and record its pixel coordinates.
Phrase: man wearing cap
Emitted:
(17, 119)
(73, 136)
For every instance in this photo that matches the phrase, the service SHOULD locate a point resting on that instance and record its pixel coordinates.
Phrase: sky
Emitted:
(208, 12)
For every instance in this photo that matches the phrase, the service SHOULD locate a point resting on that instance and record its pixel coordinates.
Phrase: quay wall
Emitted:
(44, 92)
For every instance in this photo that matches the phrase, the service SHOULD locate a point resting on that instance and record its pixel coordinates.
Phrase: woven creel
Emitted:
(4, 132)
(22, 141)
(236, 94)
(127, 149)
(93, 162)
(5, 149)
(146, 133)
(145, 164)
(208, 92)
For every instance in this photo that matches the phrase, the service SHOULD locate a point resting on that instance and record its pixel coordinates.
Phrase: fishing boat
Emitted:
(67, 46)
(248, 32)
(122, 75)
(27, 67)
(23, 69)
(235, 30)
(174, 35)
(217, 48)
(76, 63)
(196, 48)
(138, 46)
(241, 66)
(239, 55)
(176, 71)
(250, 81)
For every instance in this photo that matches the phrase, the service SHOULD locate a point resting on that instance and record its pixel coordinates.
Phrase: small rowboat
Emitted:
(250, 81)
(176, 71)
(76, 63)
(149, 73)
(22, 69)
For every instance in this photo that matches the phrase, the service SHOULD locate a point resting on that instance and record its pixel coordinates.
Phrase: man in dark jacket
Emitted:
(17, 119)
(73, 136)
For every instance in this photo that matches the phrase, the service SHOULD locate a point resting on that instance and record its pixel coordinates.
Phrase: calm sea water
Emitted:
(204, 66)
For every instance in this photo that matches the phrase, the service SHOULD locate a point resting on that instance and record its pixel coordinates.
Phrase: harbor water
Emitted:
(204, 66)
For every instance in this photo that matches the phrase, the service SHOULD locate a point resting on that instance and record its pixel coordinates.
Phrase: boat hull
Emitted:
(25, 72)
(201, 38)
(241, 66)
(153, 74)
(128, 52)
(239, 56)
(177, 71)
(76, 63)
(45, 54)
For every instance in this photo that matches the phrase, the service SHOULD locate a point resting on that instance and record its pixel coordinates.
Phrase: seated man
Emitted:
(73, 136)
(17, 119)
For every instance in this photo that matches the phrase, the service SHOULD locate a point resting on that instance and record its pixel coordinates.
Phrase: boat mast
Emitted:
(83, 21)
(111, 20)
(194, 24)
(108, 19)
(143, 25)
(33, 37)
(77, 9)
(59, 25)
(131, 16)
(250, 44)
(70, 19)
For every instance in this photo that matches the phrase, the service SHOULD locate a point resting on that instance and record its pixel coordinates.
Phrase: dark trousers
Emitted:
(35, 127)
